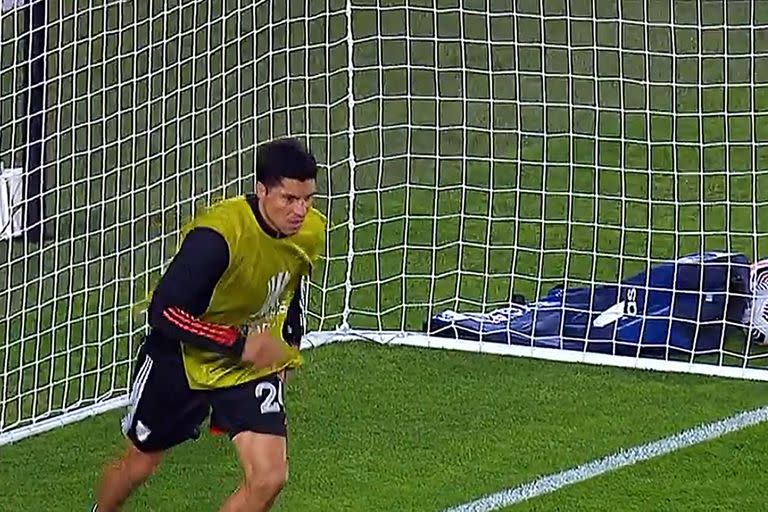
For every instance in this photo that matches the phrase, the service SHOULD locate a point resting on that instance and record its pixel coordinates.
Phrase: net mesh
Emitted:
(470, 150)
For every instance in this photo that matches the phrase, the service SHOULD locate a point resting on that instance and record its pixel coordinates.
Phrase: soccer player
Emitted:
(225, 327)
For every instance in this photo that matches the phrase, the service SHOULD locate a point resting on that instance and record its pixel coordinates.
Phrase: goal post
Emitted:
(152, 109)
(555, 144)
(502, 152)
(472, 151)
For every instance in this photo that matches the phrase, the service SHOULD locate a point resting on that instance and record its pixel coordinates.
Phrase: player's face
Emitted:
(287, 204)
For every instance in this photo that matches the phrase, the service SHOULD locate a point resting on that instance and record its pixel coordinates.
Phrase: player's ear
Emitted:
(261, 190)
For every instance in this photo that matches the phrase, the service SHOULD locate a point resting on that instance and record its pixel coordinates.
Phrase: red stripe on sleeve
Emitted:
(219, 334)
(224, 329)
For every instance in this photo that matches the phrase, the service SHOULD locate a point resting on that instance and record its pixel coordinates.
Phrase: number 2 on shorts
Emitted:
(274, 399)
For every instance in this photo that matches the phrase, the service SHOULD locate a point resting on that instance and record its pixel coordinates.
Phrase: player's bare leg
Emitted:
(123, 476)
(264, 461)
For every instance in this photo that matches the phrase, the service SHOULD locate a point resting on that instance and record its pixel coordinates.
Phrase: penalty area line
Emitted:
(620, 459)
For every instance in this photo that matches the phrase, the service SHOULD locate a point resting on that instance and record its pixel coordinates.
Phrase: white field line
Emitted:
(625, 457)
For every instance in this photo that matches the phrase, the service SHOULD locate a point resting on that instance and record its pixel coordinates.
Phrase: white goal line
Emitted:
(623, 458)
(62, 418)
(549, 354)
(318, 339)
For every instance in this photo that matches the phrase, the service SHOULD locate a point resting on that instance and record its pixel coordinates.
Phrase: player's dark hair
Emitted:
(284, 158)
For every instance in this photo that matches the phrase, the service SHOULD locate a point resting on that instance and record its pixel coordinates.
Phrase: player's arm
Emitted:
(185, 291)
(293, 328)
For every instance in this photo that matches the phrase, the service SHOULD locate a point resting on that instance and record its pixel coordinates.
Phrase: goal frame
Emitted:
(344, 333)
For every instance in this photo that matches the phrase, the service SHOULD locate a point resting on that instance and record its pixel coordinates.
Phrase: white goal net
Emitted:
(472, 151)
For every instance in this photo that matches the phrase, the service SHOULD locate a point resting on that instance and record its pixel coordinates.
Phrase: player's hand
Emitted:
(263, 350)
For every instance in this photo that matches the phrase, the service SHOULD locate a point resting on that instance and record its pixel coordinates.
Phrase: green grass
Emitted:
(416, 430)
(703, 478)
(479, 170)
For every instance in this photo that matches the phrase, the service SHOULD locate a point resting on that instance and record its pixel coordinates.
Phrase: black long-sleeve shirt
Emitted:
(185, 290)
